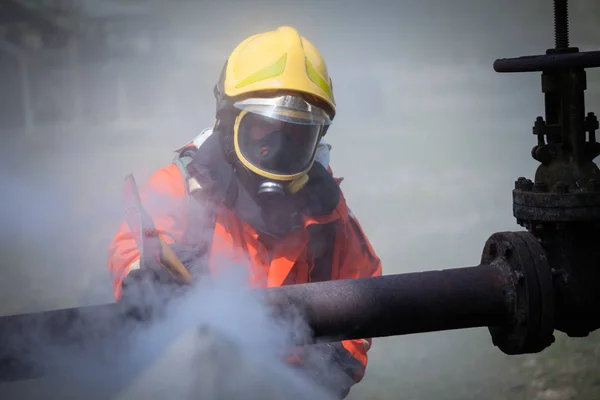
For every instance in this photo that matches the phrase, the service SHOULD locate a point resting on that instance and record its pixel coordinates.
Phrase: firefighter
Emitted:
(256, 188)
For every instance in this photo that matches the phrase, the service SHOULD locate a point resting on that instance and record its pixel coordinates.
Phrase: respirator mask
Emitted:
(275, 140)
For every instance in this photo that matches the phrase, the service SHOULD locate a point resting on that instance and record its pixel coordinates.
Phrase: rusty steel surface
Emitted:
(345, 309)
(401, 304)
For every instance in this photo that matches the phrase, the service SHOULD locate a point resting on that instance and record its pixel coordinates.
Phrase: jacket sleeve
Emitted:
(356, 259)
(164, 197)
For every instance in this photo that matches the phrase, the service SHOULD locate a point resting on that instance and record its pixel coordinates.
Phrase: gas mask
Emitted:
(275, 140)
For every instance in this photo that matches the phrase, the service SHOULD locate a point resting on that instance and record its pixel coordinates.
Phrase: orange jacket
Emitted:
(289, 262)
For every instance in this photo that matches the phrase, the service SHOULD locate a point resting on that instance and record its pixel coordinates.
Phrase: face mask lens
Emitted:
(279, 135)
(276, 146)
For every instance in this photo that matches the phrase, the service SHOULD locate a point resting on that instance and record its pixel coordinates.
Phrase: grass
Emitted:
(465, 365)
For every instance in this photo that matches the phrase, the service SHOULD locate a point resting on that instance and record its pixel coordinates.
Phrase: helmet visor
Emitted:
(279, 136)
(290, 109)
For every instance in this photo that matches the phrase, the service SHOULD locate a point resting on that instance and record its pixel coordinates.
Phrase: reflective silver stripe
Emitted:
(366, 344)
(322, 156)
(198, 140)
(201, 138)
(191, 184)
(133, 266)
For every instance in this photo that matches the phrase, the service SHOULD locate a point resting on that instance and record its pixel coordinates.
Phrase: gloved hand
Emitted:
(329, 365)
(146, 289)
(193, 258)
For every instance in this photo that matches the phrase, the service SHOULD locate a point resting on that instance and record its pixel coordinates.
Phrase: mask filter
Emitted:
(270, 189)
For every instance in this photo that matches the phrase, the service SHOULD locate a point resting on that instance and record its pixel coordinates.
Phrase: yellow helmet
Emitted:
(274, 102)
(278, 61)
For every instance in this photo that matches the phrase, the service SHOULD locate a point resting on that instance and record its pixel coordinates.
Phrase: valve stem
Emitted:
(561, 24)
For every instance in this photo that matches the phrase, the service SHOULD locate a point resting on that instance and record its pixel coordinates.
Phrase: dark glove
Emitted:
(327, 364)
(152, 278)
(193, 257)
(147, 289)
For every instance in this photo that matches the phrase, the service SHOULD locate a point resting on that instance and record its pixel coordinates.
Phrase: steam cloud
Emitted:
(218, 340)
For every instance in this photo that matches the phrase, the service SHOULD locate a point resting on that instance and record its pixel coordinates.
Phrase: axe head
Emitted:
(154, 252)
(140, 223)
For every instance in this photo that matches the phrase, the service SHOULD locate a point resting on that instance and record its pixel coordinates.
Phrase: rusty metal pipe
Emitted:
(346, 309)
(402, 304)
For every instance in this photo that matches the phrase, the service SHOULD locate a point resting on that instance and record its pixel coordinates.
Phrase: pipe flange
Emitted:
(555, 207)
(529, 292)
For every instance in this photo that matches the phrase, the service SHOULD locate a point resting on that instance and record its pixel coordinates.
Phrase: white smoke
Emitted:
(218, 340)
(225, 345)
